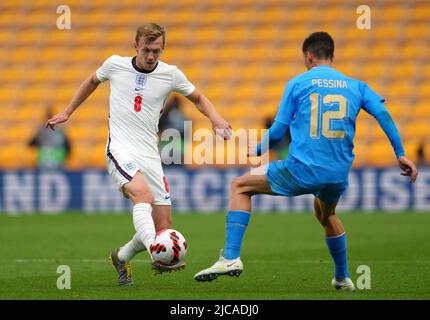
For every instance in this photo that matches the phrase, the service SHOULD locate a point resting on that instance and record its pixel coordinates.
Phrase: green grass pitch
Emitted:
(285, 257)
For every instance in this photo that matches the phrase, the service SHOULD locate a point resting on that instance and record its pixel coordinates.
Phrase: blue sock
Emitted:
(337, 247)
(237, 221)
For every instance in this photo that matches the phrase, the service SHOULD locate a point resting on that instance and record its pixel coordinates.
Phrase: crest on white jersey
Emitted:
(129, 166)
(140, 81)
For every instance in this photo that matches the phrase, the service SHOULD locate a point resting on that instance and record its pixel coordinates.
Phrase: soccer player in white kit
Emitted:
(139, 88)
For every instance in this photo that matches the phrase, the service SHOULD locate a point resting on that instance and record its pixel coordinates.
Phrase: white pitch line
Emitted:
(86, 260)
(64, 261)
(47, 260)
(349, 261)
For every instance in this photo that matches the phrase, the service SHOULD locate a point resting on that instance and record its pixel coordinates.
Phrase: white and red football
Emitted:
(169, 247)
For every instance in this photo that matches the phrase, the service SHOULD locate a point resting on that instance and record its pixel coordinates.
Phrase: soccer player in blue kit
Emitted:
(320, 107)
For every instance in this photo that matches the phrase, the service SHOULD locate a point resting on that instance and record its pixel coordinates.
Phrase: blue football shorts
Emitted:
(283, 183)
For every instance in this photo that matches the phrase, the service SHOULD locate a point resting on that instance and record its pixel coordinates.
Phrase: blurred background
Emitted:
(240, 54)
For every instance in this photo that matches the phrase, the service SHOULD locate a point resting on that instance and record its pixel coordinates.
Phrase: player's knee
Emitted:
(141, 196)
(319, 216)
(236, 186)
(166, 223)
(147, 197)
(325, 218)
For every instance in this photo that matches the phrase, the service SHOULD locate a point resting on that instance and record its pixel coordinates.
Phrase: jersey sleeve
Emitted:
(272, 137)
(181, 84)
(103, 73)
(373, 104)
(371, 101)
(287, 105)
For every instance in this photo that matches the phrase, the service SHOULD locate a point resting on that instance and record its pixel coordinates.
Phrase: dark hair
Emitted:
(320, 44)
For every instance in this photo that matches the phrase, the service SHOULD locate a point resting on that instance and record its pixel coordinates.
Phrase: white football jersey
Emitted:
(136, 101)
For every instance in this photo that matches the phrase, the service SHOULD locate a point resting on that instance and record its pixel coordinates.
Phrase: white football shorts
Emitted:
(122, 167)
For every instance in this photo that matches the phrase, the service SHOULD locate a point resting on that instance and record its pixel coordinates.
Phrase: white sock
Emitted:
(143, 223)
(130, 249)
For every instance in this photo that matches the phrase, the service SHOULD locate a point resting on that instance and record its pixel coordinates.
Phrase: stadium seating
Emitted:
(239, 53)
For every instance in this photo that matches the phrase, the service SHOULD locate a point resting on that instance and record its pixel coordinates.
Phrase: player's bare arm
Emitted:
(207, 108)
(408, 168)
(85, 89)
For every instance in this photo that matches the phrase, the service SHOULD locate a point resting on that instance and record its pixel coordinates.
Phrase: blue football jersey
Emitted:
(321, 107)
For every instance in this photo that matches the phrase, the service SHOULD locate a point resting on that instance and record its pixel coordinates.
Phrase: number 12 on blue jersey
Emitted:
(317, 112)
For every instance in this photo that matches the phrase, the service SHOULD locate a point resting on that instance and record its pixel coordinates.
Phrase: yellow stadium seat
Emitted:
(402, 88)
(421, 111)
(15, 156)
(406, 70)
(423, 91)
(371, 70)
(411, 148)
(78, 156)
(352, 51)
(417, 30)
(418, 129)
(335, 13)
(11, 75)
(212, 17)
(240, 55)
(380, 154)
(363, 131)
(394, 12)
(414, 50)
(421, 11)
(96, 158)
(380, 50)
(98, 17)
(303, 13)
(386, 31)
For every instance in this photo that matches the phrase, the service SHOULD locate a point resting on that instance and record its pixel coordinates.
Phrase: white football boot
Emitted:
(222, 267)
(344, 285)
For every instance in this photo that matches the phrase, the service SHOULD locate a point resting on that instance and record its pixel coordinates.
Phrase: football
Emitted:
(169, 247)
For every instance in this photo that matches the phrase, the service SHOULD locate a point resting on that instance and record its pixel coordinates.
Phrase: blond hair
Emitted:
(150, 32)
